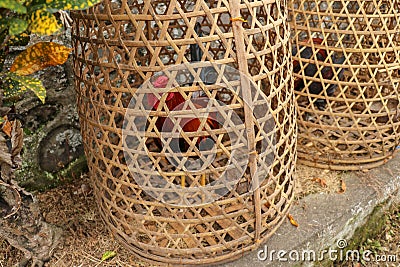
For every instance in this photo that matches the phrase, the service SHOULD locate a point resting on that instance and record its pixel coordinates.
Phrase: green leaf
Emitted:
(34, 5)
(17, 26)
(16, 84)
(108, 255)
(13, 5)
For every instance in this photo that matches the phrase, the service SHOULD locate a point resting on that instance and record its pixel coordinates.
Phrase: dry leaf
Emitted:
(292, 220)
(342, 187)
(40, 56)
(5, 160)
(4, 154)
(17, 139)
(7, 126)
(321, 181)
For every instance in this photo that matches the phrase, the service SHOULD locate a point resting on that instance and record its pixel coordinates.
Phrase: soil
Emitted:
(72, 206)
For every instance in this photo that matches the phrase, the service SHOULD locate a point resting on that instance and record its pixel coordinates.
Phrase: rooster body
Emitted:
(311, 70)
(175, 101)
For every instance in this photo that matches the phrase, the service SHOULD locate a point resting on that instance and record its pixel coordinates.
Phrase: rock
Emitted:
(52, 137)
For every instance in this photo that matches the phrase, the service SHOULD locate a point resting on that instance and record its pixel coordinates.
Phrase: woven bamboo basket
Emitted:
(346, 70)
(163, 209)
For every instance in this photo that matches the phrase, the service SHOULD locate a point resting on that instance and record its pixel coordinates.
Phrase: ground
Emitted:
(72, 207)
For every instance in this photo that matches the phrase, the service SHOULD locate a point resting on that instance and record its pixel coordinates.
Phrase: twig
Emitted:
(18, 197)
(5, 41)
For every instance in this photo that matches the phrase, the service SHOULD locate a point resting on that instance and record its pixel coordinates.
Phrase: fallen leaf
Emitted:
(321, 181)
(292, 220)
(309, 144)
(342, 187)
(7, 126)
(17, 139)
(108, 255)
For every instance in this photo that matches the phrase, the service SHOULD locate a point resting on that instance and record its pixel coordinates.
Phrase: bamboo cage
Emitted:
(159, 200)
(346, 71)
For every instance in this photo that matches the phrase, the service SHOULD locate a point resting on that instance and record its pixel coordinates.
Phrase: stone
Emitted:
(327, 221)
(52, 135)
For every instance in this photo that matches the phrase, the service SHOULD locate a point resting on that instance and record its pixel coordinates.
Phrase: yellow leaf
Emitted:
(40, 56)
(70, 5)
(321, 181)
(43, 22)
(292, 220)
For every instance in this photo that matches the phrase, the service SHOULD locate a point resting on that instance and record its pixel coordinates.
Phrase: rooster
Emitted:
(327, 72)
(175, 101)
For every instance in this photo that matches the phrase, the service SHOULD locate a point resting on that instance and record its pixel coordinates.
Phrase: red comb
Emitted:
(159, 82)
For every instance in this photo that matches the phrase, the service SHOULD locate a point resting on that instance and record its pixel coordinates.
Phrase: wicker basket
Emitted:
(126, 56)
(347, 70)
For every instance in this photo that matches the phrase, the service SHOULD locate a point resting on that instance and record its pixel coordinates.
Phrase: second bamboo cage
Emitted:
(346, 58)
(126, 55)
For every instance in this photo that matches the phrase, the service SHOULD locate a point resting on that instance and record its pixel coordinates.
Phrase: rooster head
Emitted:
(159, 82)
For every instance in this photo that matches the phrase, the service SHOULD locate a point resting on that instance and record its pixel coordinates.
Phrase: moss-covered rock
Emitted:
(53, 148)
